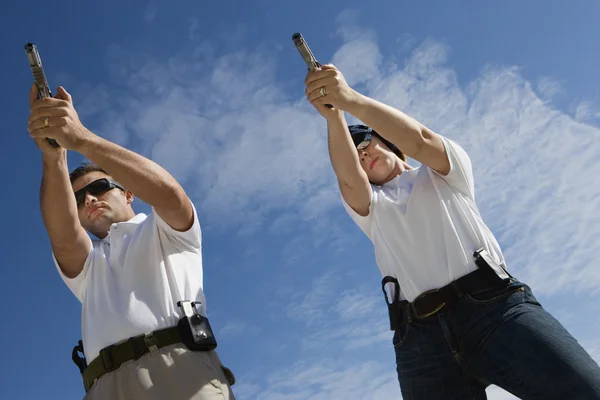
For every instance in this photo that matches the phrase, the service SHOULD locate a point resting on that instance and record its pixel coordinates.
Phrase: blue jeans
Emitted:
(497, 336)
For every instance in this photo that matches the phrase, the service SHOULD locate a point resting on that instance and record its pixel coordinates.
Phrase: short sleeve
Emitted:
(364, 223)
(192, 238)
(78, 284)
(461, 172)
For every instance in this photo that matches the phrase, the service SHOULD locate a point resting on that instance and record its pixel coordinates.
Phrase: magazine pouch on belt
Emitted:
(194, 328)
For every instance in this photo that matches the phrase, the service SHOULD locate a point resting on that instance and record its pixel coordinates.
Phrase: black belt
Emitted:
(111, 357)
(430, 302)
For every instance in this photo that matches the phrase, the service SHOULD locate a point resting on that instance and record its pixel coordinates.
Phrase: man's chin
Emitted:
(98, 226)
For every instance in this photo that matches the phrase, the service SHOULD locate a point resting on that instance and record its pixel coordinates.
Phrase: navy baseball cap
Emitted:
(358, 133)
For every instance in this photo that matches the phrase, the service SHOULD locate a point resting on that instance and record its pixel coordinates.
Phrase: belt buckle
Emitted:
(150, 341)
(421, 296)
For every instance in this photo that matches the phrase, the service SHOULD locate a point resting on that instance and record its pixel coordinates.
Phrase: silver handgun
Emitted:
(35, 62)
(307, 55)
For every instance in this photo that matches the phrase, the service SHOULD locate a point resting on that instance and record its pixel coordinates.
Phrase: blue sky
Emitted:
(214, 92)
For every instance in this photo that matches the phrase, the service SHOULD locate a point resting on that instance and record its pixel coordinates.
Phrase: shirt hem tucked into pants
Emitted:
(174, 373)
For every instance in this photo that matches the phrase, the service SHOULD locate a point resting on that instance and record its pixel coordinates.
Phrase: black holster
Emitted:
(194, 329)
(398, 310)
(399, 313)
(79, 360)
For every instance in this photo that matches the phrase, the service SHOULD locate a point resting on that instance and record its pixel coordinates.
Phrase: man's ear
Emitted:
(129, 197)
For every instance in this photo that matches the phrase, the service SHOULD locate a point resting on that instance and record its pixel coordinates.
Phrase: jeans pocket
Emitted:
(400, 335)
(487, 296)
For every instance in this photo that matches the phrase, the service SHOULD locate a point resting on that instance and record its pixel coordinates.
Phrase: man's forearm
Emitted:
(145, 178)
(402, 130)
(57, 203)
(342, 152)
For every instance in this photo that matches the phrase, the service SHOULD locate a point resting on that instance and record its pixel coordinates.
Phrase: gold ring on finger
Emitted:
(323, 92)
(46, 122)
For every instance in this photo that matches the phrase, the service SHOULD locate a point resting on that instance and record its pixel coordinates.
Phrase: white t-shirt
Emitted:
(425, 227)
(132, 280)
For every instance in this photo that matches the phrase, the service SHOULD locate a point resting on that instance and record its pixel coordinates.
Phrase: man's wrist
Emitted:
(54, 159)
(87, 143)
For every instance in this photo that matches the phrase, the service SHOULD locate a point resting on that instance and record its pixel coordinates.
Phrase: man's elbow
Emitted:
(173, 198)
(177, 210)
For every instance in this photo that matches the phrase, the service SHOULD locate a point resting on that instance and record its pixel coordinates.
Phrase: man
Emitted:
(461, 321)
(130, 280)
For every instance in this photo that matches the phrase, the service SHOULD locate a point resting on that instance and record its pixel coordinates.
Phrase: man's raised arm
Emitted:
(70, 243)
(145, 178)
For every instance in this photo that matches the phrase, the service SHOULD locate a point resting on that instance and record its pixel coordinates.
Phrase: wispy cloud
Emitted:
(586, 111)
(547, 88)
(237, 328)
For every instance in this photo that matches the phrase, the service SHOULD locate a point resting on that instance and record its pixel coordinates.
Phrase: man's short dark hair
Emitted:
(84, 169)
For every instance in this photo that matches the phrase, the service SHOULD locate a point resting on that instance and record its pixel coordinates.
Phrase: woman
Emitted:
(461, 321)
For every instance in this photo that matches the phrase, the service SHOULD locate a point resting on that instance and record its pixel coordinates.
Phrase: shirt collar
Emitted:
(137, 219)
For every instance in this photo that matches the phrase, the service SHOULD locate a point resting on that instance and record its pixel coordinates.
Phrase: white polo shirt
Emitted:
(425, 226)
(132, 280)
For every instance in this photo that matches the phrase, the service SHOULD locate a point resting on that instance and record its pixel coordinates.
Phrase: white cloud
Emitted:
(548, 88)
(354, 304)
(314, 305)
(586, 111)
(237, 328)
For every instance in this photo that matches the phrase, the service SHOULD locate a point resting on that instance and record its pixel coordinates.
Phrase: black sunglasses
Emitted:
(95, 188)
(362, 140)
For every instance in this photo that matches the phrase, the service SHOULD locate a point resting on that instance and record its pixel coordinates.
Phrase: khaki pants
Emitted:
(174, 373)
